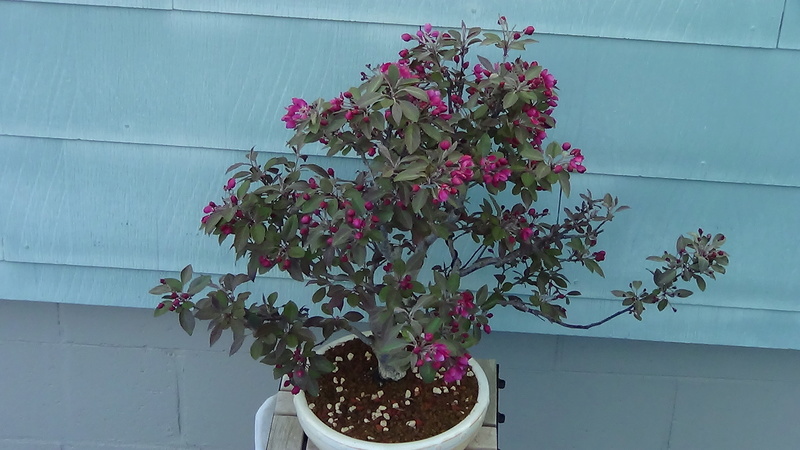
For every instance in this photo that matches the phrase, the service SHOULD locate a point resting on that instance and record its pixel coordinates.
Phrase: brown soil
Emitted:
(354, 402)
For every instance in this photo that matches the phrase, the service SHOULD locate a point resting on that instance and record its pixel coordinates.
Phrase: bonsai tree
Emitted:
(452, 162)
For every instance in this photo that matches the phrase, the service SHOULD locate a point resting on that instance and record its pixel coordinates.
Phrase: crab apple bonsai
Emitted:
(453, 161)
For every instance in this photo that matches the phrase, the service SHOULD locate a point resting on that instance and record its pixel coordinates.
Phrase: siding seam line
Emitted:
(780, 25)
(197, 147)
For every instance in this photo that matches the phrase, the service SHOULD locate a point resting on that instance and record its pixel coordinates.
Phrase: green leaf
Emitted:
(397, 113)
(289, 228)
(594, 267)
(186, 319)
(162, 310)
(257, 349)
(296, 252)
(174, 284)
(160, 289)
(186, 274)
(290, 311)
(353, 316)
(527, 179)
(510, 99)
(318, 295)
(453, 282)
(419, 200)
(431, 131)
(410, 111)
(427, 373)
(484, 144)
(198, 284)
(563, 179)
(258, 232)
(412, 138)
(683, 293)
(416, 92)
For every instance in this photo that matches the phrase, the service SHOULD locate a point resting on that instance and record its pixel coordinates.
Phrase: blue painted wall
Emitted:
(117, 118)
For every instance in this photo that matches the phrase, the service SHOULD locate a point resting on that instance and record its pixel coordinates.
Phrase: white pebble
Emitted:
(408, 393)
(350, 356)
(412, 423)
(436, 390)
(339, 389)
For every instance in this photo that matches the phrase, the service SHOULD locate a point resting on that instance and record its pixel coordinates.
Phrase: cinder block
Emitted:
(31, 402)
(222, 393)
(28, 321)
(533, 352)
(16, 444)
(558, 410)
(598, 355)
(132, 327)
(111, 446)
(120, 395)
(736, 415)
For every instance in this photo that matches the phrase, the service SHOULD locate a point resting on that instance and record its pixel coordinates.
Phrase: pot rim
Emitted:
(478, 411)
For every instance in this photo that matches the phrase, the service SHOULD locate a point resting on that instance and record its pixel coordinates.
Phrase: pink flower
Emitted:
(296, 112)
(402, 67)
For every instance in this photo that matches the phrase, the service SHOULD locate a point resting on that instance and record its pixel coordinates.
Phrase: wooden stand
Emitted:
(286, 434)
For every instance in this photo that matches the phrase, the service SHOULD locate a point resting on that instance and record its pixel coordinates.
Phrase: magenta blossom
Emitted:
(296, 112)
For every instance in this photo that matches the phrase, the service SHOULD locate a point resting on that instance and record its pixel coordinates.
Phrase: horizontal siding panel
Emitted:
(222, 81)
(691, 324)
(136, 206)
(722, 22)
(758, 221)
(112, 205)
(173, 78)
(790, 26)
(148, 4)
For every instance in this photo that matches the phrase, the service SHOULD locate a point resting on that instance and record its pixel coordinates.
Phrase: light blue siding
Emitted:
(116, 124)
(790, 26)
(724, 22)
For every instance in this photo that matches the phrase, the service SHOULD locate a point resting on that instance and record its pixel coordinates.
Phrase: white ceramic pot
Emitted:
(455, 438)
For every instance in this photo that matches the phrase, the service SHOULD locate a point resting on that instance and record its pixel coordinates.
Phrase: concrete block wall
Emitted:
(77, 377)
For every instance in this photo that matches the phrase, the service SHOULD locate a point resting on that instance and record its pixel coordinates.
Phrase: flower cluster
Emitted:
(297, 112)
(495, 170)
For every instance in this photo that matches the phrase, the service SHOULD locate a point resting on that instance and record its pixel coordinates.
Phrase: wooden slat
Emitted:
(285, 434)
(486, 439)
(489, 367)
(284, 405)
